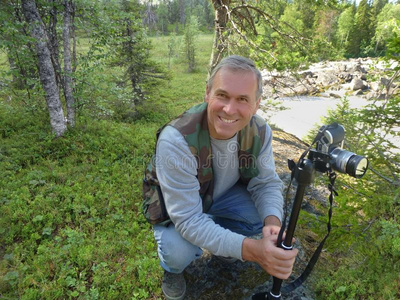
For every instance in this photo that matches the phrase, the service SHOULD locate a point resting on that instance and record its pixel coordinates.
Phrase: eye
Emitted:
(221, 95)
(243, 99)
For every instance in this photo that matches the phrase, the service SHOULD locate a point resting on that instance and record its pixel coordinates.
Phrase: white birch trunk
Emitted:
(46, 68)
(69, 97)
(219, 45)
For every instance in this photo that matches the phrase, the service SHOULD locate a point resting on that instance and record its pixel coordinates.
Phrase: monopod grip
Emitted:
(275, 292)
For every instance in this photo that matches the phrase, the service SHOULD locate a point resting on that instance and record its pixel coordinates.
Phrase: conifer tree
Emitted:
(362, 30)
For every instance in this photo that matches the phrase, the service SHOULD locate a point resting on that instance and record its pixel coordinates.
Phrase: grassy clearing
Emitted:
(71, 225)
(173, 97)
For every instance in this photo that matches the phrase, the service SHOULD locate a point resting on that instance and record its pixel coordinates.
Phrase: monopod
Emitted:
(304, 175)
(326, 157)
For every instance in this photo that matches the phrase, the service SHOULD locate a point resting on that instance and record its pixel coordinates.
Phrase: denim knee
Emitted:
(174, 251)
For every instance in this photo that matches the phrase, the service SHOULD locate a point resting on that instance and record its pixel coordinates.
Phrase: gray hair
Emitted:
(238, 63)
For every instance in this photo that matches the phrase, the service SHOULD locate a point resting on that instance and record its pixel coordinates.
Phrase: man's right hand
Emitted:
(275, 261)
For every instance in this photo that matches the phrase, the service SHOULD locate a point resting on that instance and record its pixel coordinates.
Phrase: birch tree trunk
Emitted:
(73, 37)
(53, 41)
(69, 97)
(220, 46)
(46, 68)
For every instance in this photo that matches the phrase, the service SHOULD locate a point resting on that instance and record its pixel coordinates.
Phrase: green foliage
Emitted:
(367, 209)
(189, 38)
(387, 21)
(19, 48)
(63, 201)
(122, 42)
(71, 225)
(345, 26)
(171, 16)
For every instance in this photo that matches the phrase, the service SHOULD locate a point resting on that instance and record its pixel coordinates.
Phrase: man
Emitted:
(217, 180)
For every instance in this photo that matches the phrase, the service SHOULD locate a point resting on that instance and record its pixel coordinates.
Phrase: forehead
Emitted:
(236, 82)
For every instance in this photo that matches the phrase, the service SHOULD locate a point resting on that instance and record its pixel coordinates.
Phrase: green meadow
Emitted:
(71, 225)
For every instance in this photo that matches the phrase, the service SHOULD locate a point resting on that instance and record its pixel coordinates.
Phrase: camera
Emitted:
(329, 153)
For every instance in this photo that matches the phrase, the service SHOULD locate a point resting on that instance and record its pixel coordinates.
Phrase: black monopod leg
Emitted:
(304, 175)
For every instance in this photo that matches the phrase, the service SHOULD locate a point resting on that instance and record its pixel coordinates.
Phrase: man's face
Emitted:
(231, 102)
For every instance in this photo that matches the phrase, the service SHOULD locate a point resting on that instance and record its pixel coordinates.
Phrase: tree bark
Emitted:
(46, 68)
(73, 37)
(220, 46)
(69, 97)
(53, 41)
(182, 13)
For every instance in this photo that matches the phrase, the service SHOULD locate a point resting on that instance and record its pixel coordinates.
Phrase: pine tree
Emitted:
(362, 34)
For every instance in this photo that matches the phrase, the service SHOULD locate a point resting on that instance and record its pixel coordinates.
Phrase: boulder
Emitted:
(306, 74)
(375, 86)
(358, 68)
(342, 67)
(326, 79)
(356, 84)
(333, 95)
(385, 81)
(347, 77)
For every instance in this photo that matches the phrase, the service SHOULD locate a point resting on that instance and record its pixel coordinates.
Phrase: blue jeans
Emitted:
(234, 211)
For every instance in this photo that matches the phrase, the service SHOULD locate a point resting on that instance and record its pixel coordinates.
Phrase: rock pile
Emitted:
(363, 77)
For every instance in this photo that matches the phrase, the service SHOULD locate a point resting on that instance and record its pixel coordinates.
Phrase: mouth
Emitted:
(227, 120)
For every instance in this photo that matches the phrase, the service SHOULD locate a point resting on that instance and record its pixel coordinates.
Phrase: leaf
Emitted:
(340, 289)
(47, 231)
(11, 276)
(75, 294)
(38, 218)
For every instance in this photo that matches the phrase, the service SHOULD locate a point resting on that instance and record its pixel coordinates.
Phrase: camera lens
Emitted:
(347, 162)
(357, 166)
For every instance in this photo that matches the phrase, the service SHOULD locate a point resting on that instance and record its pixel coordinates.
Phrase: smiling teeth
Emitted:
(227, 121)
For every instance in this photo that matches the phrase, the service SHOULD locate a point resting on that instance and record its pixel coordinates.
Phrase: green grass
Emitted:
(3, 60)
(71, 225)
(185, 89)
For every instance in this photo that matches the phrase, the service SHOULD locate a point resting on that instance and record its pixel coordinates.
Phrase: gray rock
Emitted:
(342, 67)
(306, 74)
(385, 81)
(356, 84)
(375, 86)
(326, 79)
(358, 68)
(347, 77)
(358, 92)
(333, 95)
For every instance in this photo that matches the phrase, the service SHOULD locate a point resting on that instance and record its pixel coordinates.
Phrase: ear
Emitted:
(207, 96)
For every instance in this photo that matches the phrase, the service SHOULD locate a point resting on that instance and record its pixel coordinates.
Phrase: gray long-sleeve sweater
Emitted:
(176, 171)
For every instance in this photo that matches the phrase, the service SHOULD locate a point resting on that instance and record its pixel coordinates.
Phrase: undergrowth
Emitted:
(71, 225)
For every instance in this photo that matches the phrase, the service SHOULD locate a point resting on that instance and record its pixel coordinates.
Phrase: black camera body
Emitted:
(329, 153)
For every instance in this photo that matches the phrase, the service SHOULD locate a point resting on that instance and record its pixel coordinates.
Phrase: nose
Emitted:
(230, 107)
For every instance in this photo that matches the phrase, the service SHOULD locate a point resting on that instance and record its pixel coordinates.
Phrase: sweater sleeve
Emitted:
(266, 188)
(176, 169)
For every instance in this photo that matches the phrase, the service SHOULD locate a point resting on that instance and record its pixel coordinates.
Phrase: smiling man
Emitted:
(212, 182)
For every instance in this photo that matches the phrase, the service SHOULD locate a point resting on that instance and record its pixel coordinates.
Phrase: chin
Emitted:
(224, 135)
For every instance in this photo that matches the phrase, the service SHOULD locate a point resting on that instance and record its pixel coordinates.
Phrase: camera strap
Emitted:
(307, 271)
